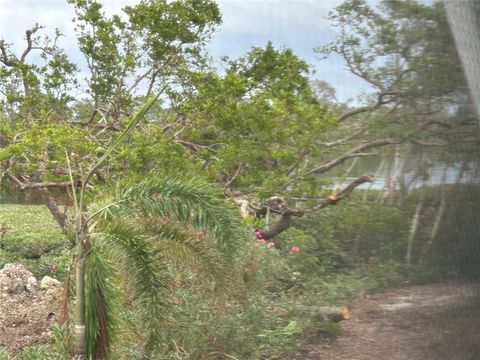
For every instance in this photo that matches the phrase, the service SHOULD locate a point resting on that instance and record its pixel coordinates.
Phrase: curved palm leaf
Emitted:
(102, 297)
(152, 225)
(192, 201)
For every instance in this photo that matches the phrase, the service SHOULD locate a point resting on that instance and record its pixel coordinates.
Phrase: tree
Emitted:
(128, 58)
(406, 52)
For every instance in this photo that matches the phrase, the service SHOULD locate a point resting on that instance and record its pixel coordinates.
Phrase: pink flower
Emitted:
(295, 249)
(271, 244)
(261, 241)
(258, 234)
(199, 234)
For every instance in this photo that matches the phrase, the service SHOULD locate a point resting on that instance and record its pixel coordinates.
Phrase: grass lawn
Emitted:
(32, 237)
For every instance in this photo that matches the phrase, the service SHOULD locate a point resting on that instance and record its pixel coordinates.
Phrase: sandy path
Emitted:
(440, 321)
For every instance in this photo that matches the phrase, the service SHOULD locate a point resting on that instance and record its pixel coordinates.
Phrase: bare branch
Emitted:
(380, 101)
(424, 143)
(344, 140)
(43, 184)
(5, 59)
(355, 152)
(198, 147)
(229, 182)
(436, 122)
(28, 37)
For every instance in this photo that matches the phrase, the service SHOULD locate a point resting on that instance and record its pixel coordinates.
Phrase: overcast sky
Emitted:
(297, 24)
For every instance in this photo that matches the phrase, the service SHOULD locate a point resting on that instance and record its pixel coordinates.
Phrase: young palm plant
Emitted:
(134, 237)
(150, 226)
(81, 229)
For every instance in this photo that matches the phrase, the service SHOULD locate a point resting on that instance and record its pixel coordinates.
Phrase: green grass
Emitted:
(32, 237)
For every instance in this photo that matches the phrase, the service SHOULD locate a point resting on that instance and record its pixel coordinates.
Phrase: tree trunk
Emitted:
(375, 176)
(413, 229)
(79, 312)
(403, 190)
(438, 218)
(388, 176)
(392, 184)
(53, 207)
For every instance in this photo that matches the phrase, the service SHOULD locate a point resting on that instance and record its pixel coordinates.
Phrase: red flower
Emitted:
(261, 241)
(271, 244)
(295, 249)
(199, 234)
(258, 234)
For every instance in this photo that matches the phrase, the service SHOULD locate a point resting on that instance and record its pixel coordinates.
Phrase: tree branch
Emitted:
(436, 122)
(278, 205)
(355, 152)
(5, 59)
(43, 184)
(232, 179)
(29, 47)
(344, 140)
(380, 101)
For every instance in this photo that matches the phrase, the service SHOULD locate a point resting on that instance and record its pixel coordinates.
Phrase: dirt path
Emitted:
(431, 322)
(26, 319)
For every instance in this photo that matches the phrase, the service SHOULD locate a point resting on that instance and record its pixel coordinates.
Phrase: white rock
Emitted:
(48, 282)
(14, 278)
(31, 284)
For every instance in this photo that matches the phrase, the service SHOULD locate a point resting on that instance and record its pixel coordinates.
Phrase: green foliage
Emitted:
(154, 152)
(169, 273)
(101, 303)
(32, 353)
(257, 119)
(188, 200)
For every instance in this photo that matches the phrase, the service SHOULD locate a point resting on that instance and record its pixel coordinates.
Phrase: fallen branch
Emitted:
(334, 313)
(279, 206)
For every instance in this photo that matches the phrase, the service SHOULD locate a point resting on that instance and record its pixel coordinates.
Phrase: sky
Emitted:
(298, 24)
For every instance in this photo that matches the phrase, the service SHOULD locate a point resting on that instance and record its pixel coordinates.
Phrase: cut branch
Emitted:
(333, 313)
(278, 205)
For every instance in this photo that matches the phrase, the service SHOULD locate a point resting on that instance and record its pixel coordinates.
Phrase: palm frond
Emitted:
(191, 201)
(131, 124)
(145, 269)
(102, 298)
(178, 243)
